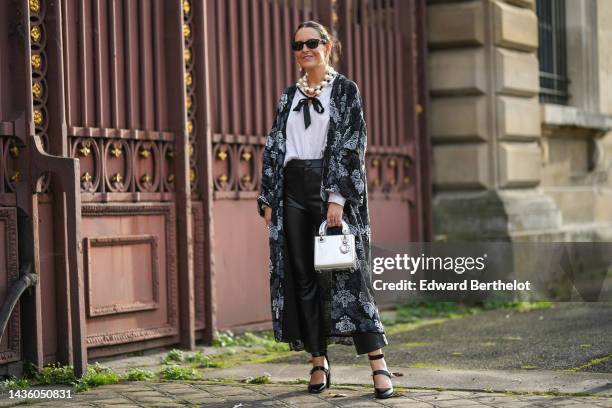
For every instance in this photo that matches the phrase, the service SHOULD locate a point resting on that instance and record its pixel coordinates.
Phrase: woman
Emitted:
(314, 171)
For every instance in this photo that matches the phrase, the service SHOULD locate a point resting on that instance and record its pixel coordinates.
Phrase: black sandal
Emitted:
(381, 393)
(318, 388)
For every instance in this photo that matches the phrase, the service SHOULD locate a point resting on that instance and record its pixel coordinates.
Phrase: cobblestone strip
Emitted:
(236, 394)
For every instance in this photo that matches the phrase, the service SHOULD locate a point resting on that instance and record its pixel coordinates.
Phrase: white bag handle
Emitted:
(323, 228)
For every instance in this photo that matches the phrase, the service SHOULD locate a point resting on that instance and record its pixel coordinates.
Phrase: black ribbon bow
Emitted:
(316, 103)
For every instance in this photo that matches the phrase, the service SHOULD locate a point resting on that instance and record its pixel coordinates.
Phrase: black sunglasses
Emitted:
(312, 44)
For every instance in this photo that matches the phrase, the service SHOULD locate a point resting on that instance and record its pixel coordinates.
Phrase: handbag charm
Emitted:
(334, 251)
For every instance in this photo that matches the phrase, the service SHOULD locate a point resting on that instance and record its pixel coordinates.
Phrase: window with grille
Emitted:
(552, 52)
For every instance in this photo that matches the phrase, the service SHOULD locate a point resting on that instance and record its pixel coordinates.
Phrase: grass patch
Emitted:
(56, 374)
(173, 356)
(13, 383)
(201, 360)
(95, 376)
(590, 363)
(261, 379)
(297, 381)
(263, 339)
(415, 311)
(529, 366)
(139, 374)
(175, 372)
(254, 355)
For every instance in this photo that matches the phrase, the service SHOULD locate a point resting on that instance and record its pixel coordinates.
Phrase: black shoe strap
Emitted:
(315, 368)
(383, 372)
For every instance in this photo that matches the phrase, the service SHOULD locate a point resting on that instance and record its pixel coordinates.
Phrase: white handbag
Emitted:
(334, 251)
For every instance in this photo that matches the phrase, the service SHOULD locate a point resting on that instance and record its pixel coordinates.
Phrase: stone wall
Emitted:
(486, 122)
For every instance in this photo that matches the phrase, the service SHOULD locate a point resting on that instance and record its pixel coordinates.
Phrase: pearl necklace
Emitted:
(302, 83)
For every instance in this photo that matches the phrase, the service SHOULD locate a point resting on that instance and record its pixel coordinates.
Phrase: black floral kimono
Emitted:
(347, 295)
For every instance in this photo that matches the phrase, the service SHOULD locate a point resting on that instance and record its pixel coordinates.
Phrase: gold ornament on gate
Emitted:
(171, 178)
(186, 7)
(37, 89)
(187, 55)
(36, 61)
(222, 155)
(144, 152)
(188, 79)
(86, 178)
(35, 34)
(116, 151)
(145, 179)
(38, 117)
(186, 30)
(246, 156)
(34, 6)
(85, 150)
(117, 178)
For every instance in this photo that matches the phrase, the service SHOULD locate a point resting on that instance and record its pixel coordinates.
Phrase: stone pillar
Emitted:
(485, 122)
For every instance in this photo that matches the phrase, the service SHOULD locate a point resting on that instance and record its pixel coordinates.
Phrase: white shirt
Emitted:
(309, 143)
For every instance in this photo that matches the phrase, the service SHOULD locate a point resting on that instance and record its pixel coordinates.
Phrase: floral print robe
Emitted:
(347, 295)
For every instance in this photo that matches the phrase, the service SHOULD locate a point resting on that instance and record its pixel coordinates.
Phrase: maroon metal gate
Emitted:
(131, 134)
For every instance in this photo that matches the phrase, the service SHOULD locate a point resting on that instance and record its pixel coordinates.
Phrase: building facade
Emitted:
(520, 119)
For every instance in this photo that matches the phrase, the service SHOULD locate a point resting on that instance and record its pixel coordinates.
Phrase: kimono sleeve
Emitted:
(268, 168)
(347, 175)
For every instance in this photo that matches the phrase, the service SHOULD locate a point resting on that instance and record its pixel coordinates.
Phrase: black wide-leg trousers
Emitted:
(302, 219)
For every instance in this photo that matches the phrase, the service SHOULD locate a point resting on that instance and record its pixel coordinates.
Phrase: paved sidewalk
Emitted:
(351, 387)
(237, 395)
